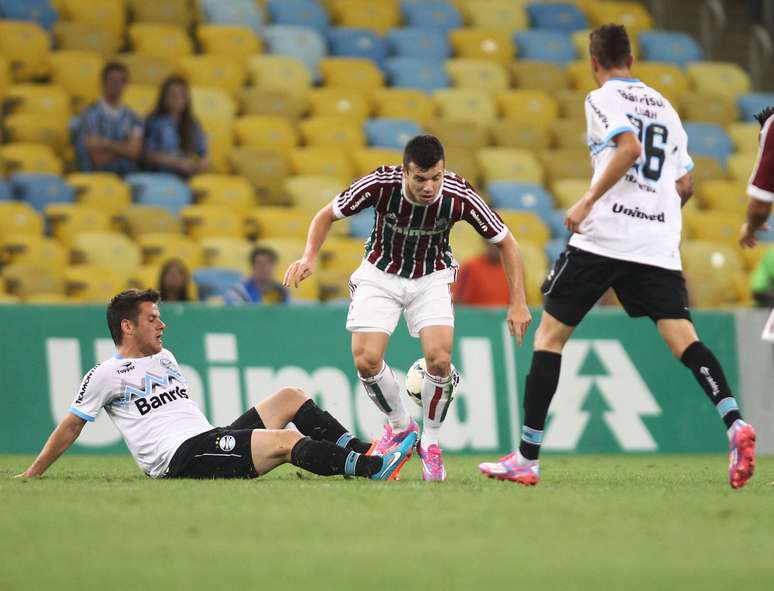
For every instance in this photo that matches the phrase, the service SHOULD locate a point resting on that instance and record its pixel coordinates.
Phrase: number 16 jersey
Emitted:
(638, 219)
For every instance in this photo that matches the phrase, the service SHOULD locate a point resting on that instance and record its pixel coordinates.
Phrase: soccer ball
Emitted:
(416, 375)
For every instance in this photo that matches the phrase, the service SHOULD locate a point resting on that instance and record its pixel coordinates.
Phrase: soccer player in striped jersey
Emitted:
(761, 187)
(408, 267)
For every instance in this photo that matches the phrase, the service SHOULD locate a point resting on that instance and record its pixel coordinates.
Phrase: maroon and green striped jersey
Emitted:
(409, 239)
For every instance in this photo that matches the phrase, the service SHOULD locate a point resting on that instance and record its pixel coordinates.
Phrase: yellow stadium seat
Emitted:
(721, 78)
(489, 44)
(78, 72)
(24, 280)
(711, 270)
(204, 221)
(323, 161)
(145, 277)
(265, 169)
(107, 15)
(158, 248)
(460, 134)
(232, 41)
(161, 40)
(634, 16)
(477, 73)
(214, 71)
(351, 72)
(345, 102)
(568, 133)
(146, 69)
(707, 169)
(378, 16)
(226, 253)
(744, 134)
(526, 225)
(213, 104)
(509, 164)
(536, 75)
(567, 163)
(278, 72)
(529, 106)
(369, 159)
(311, 193)
(580, 76)
(708, 108)
(720, 226)
(503, 15)
(52, 130)
(278, 222)
(465, 104)
(668, 79)
(70, 35)
(25, 46)
(273, 133)
(222, 190)
(403, 103)
(95, 284)
(332, 131)
(33, 250)
(220, 141)
(571, 104)
(462, 161)
(17, 217)
(290, 250)
(139, 220)
(275, 103)
(339, 257)
(48, 299)
(38, 99)
(69, 220)
(535, 270)
(109, 249)
(515, 134)
(740, 165)
(171, 12)
(101, 190)
(30, 157)
(465, 242)
(753, 256)
(567, 192)
(5, 76)
(723, 195)
(141, 98)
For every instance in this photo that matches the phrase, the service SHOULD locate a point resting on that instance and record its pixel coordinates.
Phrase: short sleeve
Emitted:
(605, 119)
(92, 395)
(761, 185)
(360, 195)
(482, 217)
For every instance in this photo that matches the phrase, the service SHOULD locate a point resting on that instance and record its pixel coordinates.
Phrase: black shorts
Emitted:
(223, 452)
(579, 278)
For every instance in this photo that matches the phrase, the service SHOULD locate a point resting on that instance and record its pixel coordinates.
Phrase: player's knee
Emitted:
(438, 363)
(367, 363)
(293, 396)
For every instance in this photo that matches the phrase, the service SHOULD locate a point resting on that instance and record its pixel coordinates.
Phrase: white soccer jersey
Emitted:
(639, 218)
(147, 400)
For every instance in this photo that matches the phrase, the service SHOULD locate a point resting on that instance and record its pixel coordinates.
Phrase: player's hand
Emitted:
(577, 213)
(518, 319)
(747, 238)
(297, 272)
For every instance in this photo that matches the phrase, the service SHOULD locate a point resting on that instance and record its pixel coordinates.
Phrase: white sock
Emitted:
(436, 397)
(384, 390)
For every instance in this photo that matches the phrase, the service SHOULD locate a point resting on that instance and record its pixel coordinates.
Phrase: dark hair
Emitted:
(126, 306)
(764, 115)
(114, 67)
(610, 46)
(423, 150)
(186, 127)
(165, 292)
(263, 251)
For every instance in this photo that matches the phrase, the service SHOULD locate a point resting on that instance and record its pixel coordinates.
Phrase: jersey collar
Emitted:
(627, 80)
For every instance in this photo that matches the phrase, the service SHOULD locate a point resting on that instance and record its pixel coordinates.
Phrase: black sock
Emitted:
(249, 420)
(320, 425)
(328, 459)
(541, 384)
(707, 371)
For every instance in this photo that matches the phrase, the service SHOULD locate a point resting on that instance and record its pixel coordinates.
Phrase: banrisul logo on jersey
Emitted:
(620, 389)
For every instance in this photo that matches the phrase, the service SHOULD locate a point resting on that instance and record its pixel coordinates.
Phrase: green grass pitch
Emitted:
(595, 522)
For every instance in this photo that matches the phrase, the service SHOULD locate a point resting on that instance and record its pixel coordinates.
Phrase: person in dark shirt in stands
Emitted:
(261, 287)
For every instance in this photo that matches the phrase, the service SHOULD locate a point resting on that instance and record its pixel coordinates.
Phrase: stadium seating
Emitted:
(523, 196)
(290, 250)
(538, 75)
(378, 16)
(159, 189)
(39, 11)
(70, 35)
(160, 40)
(311, 193)
(463, 162)
(423, 74)
(78, 72)
(204, 221)
(503, 15)
(708, 108)
(299, 13)
(41, 189)
(332, 131)
(30, 157)
(528, 106)
(25, 280)
(720, 226)
(557, 17)
(234, 12)
(515, 134)
(5, 191)
(566, 163)
(170, 12)
(266, 132)
(568, 133)
(226, 253)
(276, 72)
(547, 46)
(744, 135)
(419, 42)
(229, 191)
(723, 195)
(740, 165)
(67, 221)
(712, 271)
(93, 283)
(107, 15)
(322, 161)
(278, 103)
(50, 100)
(234, 41)
(526, 225)
(509, 164)
(158, 248)
(19, 218)
(334, 101)
(477, 73)
(483, 44)
(632, 15)
(361, 224)
(369, 159)
(214, 282)
(146, 69)
(360, 43)
(721, 78)
(33, 250)
(216, 71)
(351, 72)
(567, 192)
(706, 168)
(109, 249)
(441, 16)
(465, 104)
(579, 74)
(101, 190)
(141, 98)
(138, 220)
(707, 139)
(390, 133)
(301, 43)
(752, 103)
(667, 78)
(26, 46)
(50, 129)
(669, 46)
(460, 134)
(278, 222)
(265, 170)
(535, 269)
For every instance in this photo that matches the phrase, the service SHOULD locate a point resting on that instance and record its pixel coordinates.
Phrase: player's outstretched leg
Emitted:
(383, 389)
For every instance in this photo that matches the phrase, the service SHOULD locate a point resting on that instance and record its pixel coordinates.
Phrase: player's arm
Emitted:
(758, 213)
(627, 152)
(684, 186)
(518, 316)
(63, 436)
(318, 231)
(761, 187)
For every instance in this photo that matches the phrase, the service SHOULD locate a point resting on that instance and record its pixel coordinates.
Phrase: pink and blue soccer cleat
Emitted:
(509, 468)
(391, 439)
(741, 456)
(393, 461)
(432, 462)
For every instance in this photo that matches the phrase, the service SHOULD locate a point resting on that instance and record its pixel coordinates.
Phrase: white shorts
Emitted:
(378, 298)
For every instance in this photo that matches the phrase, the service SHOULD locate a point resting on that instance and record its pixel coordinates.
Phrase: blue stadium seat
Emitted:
(301, 43)
(214, 282)
(524, 196)
(40, 190)
(556, 17)
(361, 224)
(5, 191)
(669, 46)
(708, 139)
(159, 189)
(39, 11)
(431, 15)
(390, 133)
(362, 43)
(554, 248)
(754, 102)
(422, 74)
(546, 46)
(299, 13)
(554, 219)
(419, 43)
(246, 13)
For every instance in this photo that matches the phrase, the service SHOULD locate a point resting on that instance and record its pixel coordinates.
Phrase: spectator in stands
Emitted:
(109, 134)
(261, 287)
(762, 280)
(481, 280)
(173, 281)
(174, 140)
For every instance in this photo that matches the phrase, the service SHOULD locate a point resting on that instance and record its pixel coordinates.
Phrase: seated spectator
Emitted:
(174, 140)
(481, 280)
(174, 279)
(109, 134)
(261, 287)
(762, 280)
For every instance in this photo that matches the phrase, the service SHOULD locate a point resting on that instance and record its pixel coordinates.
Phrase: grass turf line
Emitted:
(602, 522)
